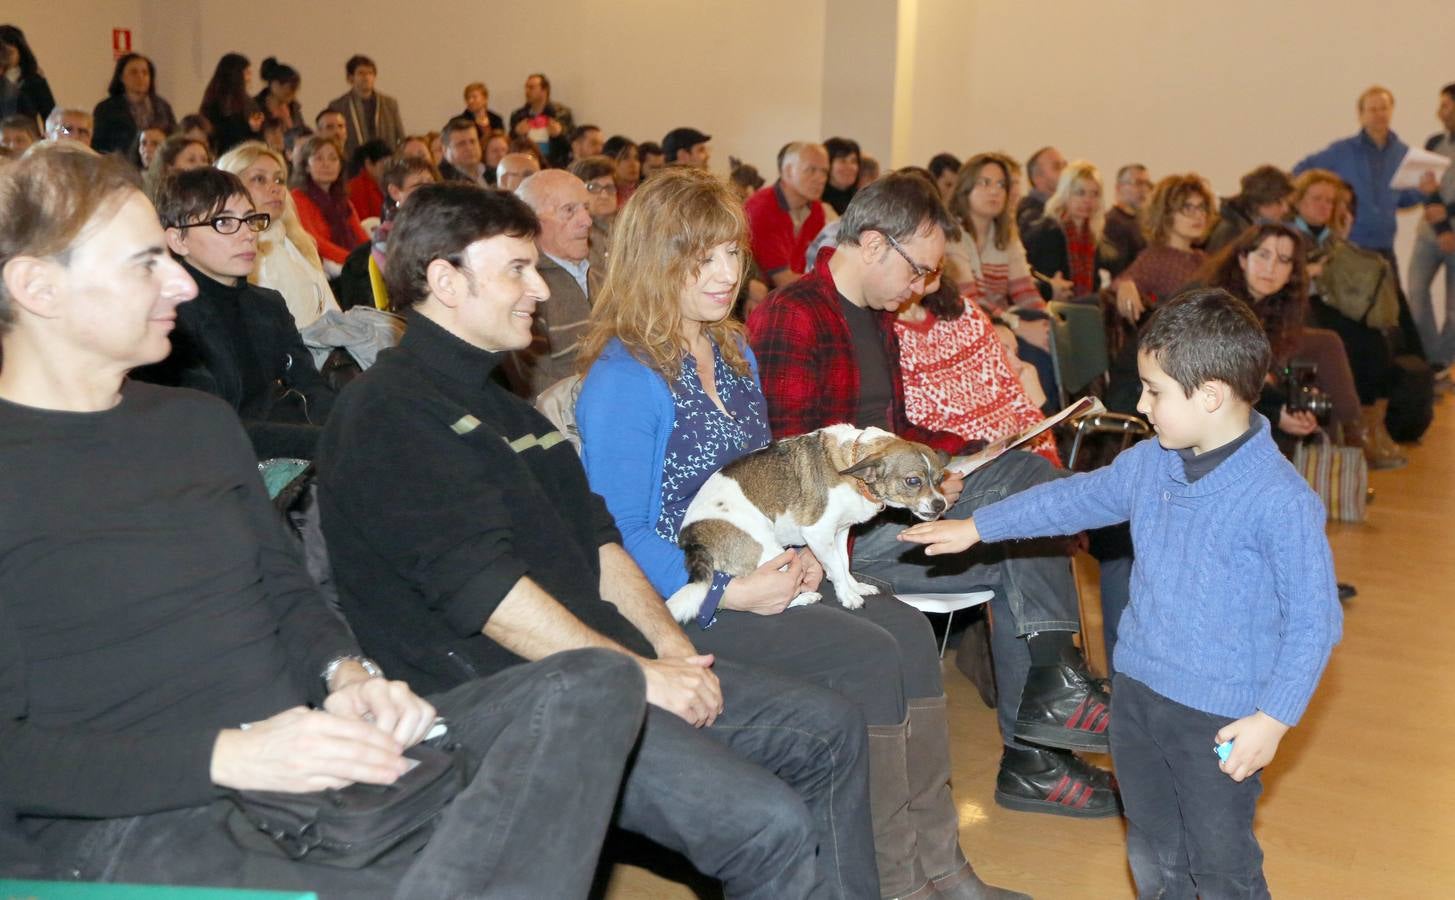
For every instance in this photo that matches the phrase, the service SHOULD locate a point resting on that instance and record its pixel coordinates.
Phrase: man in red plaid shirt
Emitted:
(827, 353)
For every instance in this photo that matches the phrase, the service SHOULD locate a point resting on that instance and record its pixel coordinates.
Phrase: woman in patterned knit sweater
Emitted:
(1176, 218)
(987, 262)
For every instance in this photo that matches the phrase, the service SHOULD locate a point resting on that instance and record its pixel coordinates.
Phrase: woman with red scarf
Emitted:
(323, 203)
(1062, 245)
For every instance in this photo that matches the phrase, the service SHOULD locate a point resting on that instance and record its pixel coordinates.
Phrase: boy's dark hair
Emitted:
(898, 205)
(358, 59)
(196, 195)
(439, 221)
(1207, 334)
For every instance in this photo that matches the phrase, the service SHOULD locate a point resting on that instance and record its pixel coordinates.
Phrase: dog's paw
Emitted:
(684, 604)
(866, 590)
(806, 598)
(848, 599)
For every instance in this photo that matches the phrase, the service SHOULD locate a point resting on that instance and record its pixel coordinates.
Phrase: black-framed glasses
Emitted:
(921, 273)
(230, 224)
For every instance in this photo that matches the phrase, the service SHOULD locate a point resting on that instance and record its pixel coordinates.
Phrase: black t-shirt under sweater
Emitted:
(439, 491)
(149, 597)
(876, 384)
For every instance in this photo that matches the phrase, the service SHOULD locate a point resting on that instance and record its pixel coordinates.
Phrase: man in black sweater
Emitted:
(160, 638)
(465, 541)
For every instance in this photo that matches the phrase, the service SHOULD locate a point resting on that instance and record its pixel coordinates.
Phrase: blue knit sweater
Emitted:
(1234, 606)
(1368, 168)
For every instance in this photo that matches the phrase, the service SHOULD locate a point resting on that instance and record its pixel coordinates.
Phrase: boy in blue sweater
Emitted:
(1234, 608)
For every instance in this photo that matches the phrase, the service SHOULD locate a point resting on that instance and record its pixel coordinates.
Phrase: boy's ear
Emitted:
(1213, 394)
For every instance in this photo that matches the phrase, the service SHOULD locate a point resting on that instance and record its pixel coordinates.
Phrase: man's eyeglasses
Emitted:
(230, 224)
(921, 273)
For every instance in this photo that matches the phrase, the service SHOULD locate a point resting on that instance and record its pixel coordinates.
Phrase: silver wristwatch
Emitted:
(367, 664)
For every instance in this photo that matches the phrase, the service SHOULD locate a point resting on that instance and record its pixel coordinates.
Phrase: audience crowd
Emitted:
(507, 569)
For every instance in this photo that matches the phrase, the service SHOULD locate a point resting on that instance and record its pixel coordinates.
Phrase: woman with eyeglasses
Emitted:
(288, 260)
(1062, 245)
(1175, 220)
(323, 203)
(236, 341)
(599, 173)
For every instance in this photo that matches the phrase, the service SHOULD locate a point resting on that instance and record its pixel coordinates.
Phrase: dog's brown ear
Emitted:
(942, 458)
(868, 470)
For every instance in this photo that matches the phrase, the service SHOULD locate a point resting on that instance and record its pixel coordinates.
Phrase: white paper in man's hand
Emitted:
(1413, 167)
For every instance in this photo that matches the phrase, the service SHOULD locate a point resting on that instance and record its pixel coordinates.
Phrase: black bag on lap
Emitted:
(1411, 399)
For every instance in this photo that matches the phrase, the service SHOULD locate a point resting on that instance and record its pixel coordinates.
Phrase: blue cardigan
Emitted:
(1368, 169)
(625, 414)
(1234, 607)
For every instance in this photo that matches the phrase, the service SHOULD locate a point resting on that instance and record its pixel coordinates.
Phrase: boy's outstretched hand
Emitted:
(944, 536)
(1255, 741)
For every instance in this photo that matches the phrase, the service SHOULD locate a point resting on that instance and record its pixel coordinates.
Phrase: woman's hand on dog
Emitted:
(943, 536)
(812, 571)
(684, 686)
(766, 590)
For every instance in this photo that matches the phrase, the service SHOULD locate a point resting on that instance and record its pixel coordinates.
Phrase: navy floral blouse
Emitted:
(703, 438)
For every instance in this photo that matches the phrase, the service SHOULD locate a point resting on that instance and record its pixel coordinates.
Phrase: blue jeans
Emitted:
(1425, 263)
(1189, 826)
(1032, 580)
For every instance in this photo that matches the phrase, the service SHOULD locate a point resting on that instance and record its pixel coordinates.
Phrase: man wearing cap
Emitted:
(687, 147)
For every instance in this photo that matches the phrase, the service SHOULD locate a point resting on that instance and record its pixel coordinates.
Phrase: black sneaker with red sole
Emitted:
(1062, 706)
(1057, 783)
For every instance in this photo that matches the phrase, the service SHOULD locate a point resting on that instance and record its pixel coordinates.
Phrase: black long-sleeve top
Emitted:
(439, 490)
(149, 597)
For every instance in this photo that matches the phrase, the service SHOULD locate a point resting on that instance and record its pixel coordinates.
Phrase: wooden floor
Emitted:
(1360, 802)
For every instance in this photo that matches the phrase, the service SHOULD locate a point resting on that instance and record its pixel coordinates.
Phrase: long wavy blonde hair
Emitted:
(238, 159)
(661, 236)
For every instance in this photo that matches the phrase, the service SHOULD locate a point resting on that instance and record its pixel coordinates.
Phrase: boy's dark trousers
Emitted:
(1189, 826)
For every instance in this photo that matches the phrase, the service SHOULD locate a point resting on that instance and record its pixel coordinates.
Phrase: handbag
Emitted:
(1339, 475)
(354, 826)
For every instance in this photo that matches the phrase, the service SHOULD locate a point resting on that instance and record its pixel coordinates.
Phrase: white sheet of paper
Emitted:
(1414, 165)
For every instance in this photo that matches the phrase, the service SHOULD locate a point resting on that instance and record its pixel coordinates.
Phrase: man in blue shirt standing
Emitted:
(1367, 161)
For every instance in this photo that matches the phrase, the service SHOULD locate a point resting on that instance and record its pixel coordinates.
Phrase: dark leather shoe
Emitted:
(1056, 783)
(1064, 707)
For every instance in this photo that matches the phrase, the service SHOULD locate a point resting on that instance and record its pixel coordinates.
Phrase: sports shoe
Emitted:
(1063, 706)
(1055, 782)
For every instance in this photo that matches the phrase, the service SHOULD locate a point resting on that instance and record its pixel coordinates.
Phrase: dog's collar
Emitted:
(859, 483)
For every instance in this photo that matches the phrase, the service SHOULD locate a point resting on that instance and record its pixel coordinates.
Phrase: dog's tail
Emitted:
(685, 603)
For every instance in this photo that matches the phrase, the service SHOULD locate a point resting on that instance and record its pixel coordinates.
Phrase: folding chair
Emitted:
(1079, 357)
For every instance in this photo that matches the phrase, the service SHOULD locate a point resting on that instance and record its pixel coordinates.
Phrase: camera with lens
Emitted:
(1297, 379)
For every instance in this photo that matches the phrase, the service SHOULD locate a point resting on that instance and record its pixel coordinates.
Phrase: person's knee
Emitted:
(601, 680)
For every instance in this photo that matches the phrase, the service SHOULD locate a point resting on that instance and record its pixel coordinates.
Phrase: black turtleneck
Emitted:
(439, 491)
(1197, 465)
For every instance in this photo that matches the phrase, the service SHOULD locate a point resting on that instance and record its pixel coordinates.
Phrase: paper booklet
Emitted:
(964, 465)
(1414, 165)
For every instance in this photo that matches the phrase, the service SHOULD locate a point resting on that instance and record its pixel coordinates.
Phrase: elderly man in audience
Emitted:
(562, 203)
(515, 168)
(368, 114)
(467, 540)
(194, 641)
(785, 217)
(828, 353)
(687, 147)
(67, 124)
(464, 158)
(545, 122)
(1044, 171)
(1122, 238)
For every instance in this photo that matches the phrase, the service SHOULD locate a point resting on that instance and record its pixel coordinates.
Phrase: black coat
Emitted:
(115, 132)
(264, 371)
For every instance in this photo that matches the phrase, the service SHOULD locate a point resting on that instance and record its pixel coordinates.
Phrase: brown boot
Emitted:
(1380, 450)
(900, 874)
(932, 806)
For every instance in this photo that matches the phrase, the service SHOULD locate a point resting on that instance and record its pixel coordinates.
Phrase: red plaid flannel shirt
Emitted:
(807, 366)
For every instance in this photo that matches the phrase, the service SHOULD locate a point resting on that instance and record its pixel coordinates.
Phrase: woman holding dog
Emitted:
(669, 397)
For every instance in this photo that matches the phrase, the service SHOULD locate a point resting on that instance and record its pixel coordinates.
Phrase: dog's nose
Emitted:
(937, 505)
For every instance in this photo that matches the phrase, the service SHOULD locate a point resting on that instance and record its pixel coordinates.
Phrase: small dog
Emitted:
(811, 490)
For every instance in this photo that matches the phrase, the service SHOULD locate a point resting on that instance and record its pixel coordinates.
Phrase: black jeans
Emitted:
(552, 740)
(1033, 584)
(1189, 826)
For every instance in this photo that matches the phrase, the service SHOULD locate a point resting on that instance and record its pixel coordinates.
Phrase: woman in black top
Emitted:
(23, 89)
(131, 106)
(279, 97)
(235, 117)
